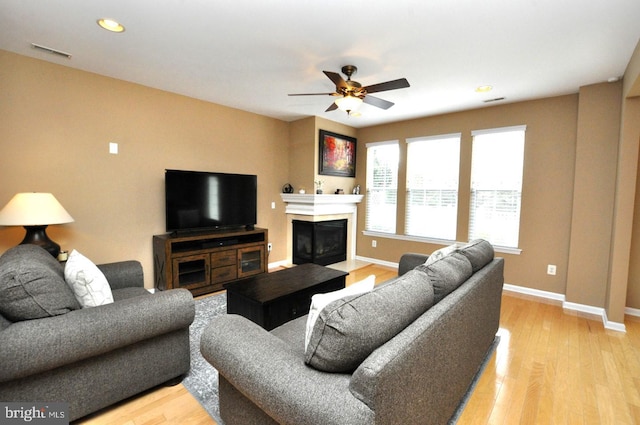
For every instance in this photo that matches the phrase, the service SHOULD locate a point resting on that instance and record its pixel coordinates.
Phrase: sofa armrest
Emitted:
(34, 346)
(270, 373)
(409, 261)
(123, 274)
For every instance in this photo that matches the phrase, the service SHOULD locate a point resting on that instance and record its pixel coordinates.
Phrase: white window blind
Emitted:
(433, 168)
(496, 185)
(382, 186)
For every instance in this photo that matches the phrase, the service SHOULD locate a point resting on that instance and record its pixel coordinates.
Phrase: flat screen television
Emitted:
(201, 201)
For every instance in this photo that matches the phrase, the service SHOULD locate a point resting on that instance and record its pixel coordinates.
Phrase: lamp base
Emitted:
(37, 235)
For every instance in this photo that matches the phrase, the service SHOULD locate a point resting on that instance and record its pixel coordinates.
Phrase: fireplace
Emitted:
(320, 208)
(319, 242)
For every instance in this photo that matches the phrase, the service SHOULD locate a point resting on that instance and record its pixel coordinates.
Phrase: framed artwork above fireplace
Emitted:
(337, 155)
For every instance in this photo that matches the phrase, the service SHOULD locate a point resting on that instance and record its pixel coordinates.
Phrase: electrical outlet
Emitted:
(273, 205)
(551, 269)
(374, 243)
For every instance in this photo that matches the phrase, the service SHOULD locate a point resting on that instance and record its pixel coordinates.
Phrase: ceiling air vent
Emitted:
(52, 51)
(497, 99)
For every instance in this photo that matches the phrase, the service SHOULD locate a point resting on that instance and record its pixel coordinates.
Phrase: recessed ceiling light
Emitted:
(110, 25)
(484, 89)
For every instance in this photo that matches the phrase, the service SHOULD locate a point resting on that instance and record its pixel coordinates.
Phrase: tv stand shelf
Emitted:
(204, 262)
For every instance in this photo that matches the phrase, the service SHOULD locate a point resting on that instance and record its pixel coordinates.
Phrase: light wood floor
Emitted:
(551, 367)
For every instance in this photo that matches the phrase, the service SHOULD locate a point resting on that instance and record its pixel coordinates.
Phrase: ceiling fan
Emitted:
(351, 94)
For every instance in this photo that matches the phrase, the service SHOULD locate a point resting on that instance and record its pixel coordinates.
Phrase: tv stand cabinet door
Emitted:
(251, 261)
(192, 271)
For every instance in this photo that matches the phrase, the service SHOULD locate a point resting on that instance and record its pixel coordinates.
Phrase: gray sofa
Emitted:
(88, 357)
(418, 376)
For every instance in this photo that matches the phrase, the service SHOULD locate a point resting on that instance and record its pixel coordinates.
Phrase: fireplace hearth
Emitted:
(319, 242)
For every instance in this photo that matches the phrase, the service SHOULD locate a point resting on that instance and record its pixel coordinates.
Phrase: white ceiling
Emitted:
(249, 54)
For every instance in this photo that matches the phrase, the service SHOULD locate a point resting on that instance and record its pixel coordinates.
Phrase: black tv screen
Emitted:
(198, 200)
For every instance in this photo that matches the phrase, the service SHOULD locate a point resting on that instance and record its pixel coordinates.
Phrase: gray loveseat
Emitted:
(88, 357)
(418, 376)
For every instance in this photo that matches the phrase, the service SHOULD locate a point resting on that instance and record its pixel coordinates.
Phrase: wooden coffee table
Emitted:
(271, 299)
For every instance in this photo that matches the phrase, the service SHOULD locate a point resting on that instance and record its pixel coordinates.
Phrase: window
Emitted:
(382, 186)
(496, 185)
(433, 168)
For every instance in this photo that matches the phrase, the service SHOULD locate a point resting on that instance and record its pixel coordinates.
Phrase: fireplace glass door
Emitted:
(320, 242)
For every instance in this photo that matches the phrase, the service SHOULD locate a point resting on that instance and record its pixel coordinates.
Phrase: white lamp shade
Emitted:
(348, 103)
(34, 209)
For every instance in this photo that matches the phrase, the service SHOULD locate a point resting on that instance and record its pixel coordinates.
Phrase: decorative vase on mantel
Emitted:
(319, 184)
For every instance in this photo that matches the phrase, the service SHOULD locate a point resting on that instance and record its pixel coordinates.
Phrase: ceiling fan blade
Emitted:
(376, 101)
(332, 107)
(389, 85)
(336, 78)
(314, 94)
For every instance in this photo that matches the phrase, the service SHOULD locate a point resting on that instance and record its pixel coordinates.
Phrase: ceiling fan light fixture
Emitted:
(348, 103)
(110, 25)
(350, 94)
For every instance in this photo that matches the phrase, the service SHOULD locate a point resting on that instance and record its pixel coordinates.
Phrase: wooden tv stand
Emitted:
(204, 262)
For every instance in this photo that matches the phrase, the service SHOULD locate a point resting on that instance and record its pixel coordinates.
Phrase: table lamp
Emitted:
(35, 211)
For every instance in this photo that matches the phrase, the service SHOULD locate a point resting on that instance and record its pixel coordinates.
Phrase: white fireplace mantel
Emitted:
(304, 204)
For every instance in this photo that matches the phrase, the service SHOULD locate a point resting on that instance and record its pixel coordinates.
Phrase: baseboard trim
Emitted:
(544, 295)
(537, 293)
(566, 305)
(277, 264)
(614, 326)
(377, 261)
(632, 311)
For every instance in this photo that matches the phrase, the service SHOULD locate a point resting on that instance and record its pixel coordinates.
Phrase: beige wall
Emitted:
(56, 123)
(301, 154)
(304, 155)
(55, 127)
(621, 259)
(594, 193)
(624, 280)
(631, 133)
(547, 185)
(631, 80)
(581, 201)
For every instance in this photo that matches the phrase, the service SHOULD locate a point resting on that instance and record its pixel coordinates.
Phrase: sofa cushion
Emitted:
(349, 329)
(319, 301)
(479, 252)
(447, 273)
(32, 285)
(87, 282)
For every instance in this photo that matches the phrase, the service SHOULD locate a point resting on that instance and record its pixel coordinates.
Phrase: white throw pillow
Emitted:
(319, 301)
(87, 282)
(442, 252)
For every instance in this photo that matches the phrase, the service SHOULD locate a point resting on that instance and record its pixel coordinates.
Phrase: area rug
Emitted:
(202, 379)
